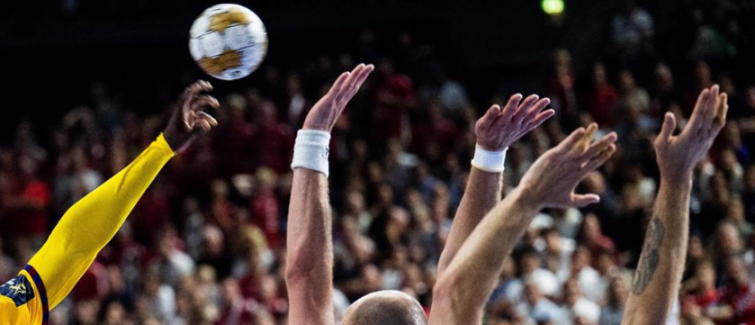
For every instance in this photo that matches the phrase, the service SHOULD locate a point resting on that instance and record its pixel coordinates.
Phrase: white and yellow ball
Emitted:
(228, 41)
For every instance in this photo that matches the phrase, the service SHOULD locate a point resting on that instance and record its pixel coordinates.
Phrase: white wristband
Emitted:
(311, 151)
(489, 161)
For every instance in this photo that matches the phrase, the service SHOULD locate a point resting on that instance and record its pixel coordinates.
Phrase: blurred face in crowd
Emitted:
(626, 80)
(268, 114)
(530, 262)
(571, 291)
(706, 276)
(702, 73)
(591, 229)
(728, 239)
(663, 77)
(695, 248)
(605, 262)
(751, 97)
(736, 272)
(532, 293)
(736, 211)
(599, 74)
(580, 258)
(509, 269)
(618, 291)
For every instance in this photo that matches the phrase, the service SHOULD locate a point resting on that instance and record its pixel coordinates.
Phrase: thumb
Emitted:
(583, 200)
(669, 125)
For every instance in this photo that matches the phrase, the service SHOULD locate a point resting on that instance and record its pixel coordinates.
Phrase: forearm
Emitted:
(482, 193)
(659, 272)
(309, 255)
(93, 221)
(464, 287)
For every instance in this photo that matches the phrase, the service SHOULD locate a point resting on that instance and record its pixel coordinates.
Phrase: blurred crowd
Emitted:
(206, 243)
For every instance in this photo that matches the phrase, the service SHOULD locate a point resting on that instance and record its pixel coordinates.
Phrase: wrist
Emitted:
(491, 161)
(677, 179)
(681, 177)
(311, 151)
(526, 199)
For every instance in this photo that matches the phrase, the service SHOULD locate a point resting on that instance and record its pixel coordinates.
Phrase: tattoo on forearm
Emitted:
(650, 256)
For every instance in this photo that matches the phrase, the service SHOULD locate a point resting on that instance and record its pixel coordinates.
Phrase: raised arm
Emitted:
(462, 290)
(93, 221)
(496, 131)
(309, 254)
(659, 272)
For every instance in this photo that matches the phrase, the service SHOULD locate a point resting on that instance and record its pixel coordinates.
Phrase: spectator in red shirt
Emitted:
(28, 202)
(275, 140)
(395, 96)
(703, 292)
(739, 292)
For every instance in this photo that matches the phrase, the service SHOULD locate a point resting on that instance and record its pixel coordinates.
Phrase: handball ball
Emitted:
(228, 41)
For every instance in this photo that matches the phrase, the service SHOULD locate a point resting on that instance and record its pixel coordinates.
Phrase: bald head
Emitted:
(385, 308)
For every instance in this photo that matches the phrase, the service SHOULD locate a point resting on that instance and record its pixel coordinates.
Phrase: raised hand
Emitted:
(551, 180)
(499, 128)
(189, 120)
(326, 111)
(678, 155)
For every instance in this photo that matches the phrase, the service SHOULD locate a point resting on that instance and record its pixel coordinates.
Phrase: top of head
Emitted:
(387, 307)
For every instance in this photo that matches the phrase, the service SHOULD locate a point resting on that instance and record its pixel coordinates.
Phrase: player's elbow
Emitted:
(298, 268)
(451, 293)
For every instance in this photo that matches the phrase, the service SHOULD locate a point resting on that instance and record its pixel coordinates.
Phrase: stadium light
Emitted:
(553, 7)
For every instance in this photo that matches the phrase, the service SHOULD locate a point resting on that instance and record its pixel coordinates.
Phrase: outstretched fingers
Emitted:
(667, 130)
(511, 107)
(196, 88)
(596, 148)
(338, 85)
(572, 139)
(490, 116)
(523, 109)
(537, 116)
(584, 142)
(722, 109)
(709, 109)
(598, 160)
(696, 119)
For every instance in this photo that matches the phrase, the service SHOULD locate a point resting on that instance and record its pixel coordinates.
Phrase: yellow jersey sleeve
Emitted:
(23, 300)
(90, 224)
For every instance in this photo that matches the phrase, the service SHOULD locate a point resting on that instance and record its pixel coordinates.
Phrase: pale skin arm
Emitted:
(462, 290)
(496, 130)
(659, 272)
(309, 254)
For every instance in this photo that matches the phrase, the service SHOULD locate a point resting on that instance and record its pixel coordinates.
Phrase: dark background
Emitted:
(50, 55)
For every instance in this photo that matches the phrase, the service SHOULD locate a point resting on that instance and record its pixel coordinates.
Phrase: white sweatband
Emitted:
(311, 151)
(489, 161)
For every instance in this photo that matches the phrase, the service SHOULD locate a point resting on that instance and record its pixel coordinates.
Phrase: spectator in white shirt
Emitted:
(578, 306)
